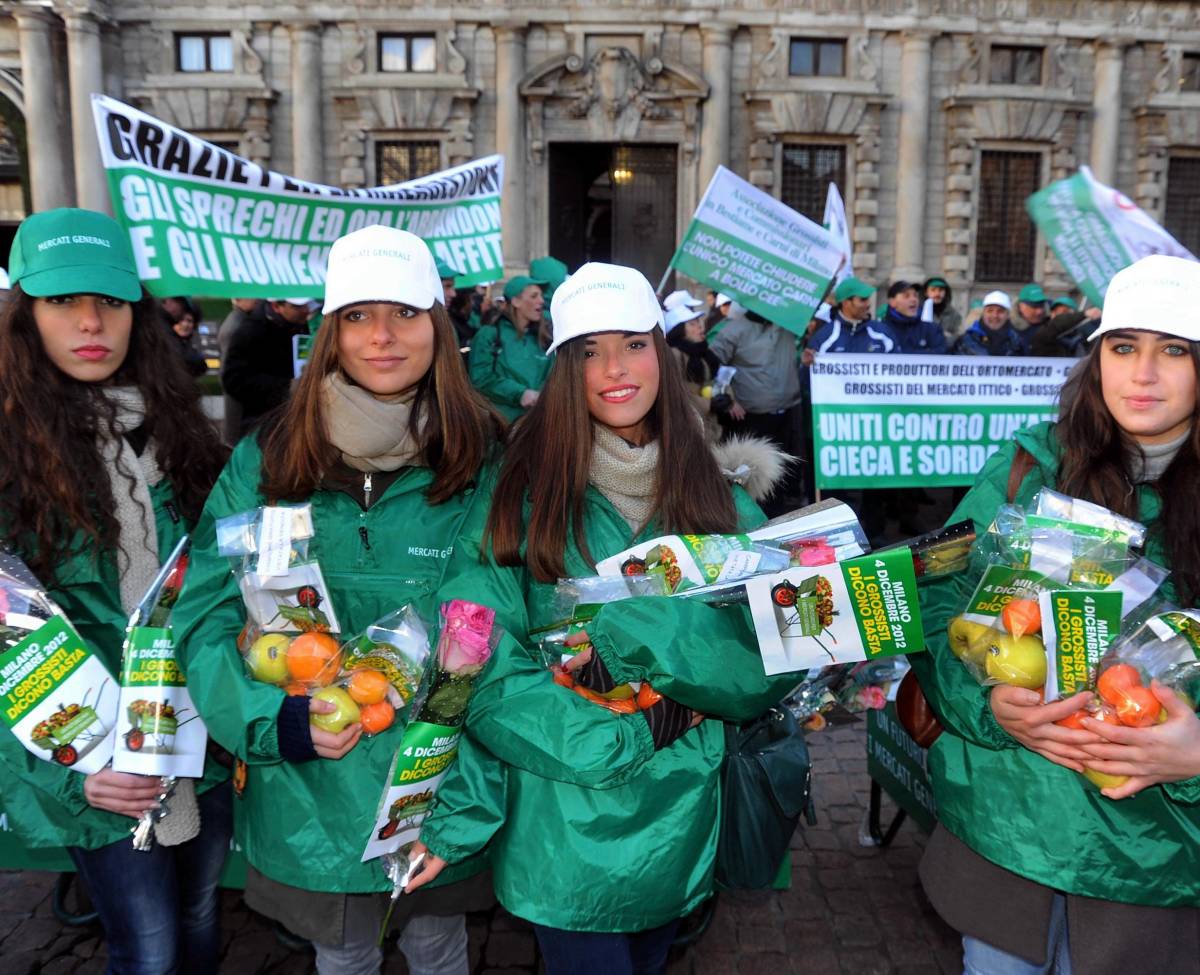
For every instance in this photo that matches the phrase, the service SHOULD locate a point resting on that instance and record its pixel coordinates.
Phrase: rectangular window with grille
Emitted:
(1182, 217)
(1011, 65)
(398, 162)
(203, 52)
(1189, 74)
(816, 58)
(807, 172)
(1005, 237)
(407, 52)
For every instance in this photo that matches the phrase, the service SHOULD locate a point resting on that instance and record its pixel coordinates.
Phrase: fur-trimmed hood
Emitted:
(755, 463)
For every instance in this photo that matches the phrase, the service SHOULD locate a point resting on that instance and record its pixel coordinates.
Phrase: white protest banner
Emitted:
(1096, 230)
(836, 223)
(745, 243)
(205, 221)
(883, 421)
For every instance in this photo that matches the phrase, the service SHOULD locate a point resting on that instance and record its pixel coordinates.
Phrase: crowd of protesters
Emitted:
(514, 440)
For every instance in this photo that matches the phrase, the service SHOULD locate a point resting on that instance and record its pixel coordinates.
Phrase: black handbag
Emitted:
(765, 788)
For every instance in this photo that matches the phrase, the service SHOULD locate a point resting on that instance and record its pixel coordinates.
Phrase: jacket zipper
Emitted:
(362, 527)
(172, 511)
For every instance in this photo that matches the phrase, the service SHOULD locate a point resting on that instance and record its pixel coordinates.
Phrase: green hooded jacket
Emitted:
(1010, 805)
(44, 802)
(504, 364)
(590, 828)
(305, 824)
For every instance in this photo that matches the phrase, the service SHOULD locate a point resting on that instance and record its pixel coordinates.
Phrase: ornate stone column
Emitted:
(1106, 112)
(87, 76)
(510, 141)
(307, 158)
(49, 172)
(717, 60)
(911, 181)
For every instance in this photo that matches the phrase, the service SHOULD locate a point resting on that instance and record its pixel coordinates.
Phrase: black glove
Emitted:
(668, 720)
(594, 675)
(722, 403)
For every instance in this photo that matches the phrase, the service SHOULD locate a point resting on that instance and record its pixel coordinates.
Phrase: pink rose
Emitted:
(465, 643)
(822, 554)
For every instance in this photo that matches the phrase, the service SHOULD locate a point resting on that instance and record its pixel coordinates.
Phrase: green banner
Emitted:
(898, 764)
(922, 421)
(203, 220)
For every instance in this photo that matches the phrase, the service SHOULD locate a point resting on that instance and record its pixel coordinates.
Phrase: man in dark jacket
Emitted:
(850, 327)
(993, 334)
(1066, 333)
(938, 290)
(257, 368)
(242, 311)
(903, 315)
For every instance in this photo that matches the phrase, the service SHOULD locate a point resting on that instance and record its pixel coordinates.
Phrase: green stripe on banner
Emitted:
(886, 446)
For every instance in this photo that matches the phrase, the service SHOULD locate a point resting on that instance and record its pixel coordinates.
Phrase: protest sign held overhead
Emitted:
(203, 220)
(745, 243)
(923, 420)
(1096, 230)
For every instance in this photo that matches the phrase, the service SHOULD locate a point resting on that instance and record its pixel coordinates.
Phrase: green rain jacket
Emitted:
(44, 802)
(305, 824)
(590, 828)
(504, 364)
(1012, 806)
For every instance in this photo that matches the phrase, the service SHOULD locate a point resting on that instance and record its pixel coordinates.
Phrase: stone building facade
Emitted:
(935, 117)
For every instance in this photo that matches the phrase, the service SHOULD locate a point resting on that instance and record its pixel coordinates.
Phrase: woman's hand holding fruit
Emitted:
(122, 792)
(1022, 714)
(1165, 752)
(329, 744)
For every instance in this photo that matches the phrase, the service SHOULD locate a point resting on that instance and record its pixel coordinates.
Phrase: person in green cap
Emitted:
(1064, 334)
(508, 361)
(1033, 310)
(552, 271)
(937, 289)
(458, 304)
(105, 463)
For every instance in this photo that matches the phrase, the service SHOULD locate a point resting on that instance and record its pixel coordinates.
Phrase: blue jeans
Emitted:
(596, 953)
(980, 958)
(159, 908)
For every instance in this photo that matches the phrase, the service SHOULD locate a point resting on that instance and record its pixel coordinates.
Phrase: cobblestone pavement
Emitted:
(851, 909)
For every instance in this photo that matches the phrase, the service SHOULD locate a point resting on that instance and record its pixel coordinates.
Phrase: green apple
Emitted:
(1020, 661)
(966, 640)
(346, 712)
(1103, 780)
(267, 658)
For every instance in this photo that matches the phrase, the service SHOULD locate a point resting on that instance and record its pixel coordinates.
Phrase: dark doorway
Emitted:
(613, 203)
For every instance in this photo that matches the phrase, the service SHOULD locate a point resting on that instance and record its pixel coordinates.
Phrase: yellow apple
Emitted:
(966, 640)
(347, 711)
(1102, 780)
(267, 658)
(1020, 661)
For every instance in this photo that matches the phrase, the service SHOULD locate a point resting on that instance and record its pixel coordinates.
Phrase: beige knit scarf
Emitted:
(626, 475)
(371, 433)
(137, 543)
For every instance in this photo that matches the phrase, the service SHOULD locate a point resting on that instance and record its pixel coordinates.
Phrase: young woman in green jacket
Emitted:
(508, 360)
(384, 437)
(1040, 871)
(601, 827)
(105, 462)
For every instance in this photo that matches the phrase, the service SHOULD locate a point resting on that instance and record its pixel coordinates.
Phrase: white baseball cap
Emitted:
(381, 263)
(721, 300)
(677, 298)
(678, 315)
(603, 298)
(997, 298)
(1156, 294)
(298, 302)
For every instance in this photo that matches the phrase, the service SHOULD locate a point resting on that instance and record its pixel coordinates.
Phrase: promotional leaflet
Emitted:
(1077, 627)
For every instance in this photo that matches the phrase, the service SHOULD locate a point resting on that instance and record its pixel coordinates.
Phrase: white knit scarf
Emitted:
(372, 434)
(625, 474)
(137, 549)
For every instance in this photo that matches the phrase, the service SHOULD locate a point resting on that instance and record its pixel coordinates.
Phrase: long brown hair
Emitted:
(453, 425)
(550, 452)
(57, 497)
(1095, 466)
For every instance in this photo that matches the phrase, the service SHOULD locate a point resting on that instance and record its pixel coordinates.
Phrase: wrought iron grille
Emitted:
(1005, 238)
(807, 172)
(1182, 216)
(398, 162)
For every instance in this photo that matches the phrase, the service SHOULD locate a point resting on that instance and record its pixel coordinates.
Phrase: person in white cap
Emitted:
(257, 369)
(1084, 876)
(383, 438)
(994, 333)
(682, 298)
(684, 326)
(608, 831)
(718, 314)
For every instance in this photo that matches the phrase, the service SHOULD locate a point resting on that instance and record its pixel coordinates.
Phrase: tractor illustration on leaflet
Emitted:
(807, 609)
(405, 813)
(69, 733)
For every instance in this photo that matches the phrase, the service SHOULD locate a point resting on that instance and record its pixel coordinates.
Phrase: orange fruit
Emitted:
(313, 659)
(1139, 708)
(1074, 721)
(367, 686)
(1115, 681)
(377, 717)
(1022, 616)
(295, 689)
